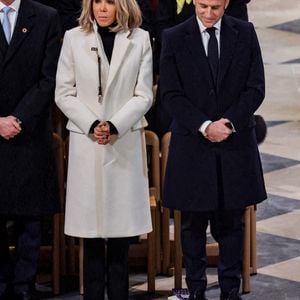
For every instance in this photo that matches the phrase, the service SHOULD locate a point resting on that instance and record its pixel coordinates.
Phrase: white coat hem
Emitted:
(112, 235)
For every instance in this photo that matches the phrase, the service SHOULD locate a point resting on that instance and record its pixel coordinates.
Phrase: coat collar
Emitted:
(228, 40)
(121, 46)
(24, 25)
(3, 44)
(195, 46)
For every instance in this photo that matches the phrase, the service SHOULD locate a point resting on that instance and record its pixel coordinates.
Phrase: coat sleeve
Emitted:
(254, 92)
(136, 107)
(36, 102)
(172, 92)
(66, 92)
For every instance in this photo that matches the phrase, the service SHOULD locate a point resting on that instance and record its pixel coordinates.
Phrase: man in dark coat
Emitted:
(169, 14)
(238, 9)
(28, 187)
(69, 12)
(212, 82)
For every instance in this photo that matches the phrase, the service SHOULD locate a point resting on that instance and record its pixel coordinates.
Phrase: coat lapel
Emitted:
(194, 43)
(121, 46)
(24, 25)
(229, 37)
(3, 45)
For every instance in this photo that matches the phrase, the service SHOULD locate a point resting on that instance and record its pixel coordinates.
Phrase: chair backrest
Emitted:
(153, 162)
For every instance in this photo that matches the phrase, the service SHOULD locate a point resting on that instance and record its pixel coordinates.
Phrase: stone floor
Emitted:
(278, 219)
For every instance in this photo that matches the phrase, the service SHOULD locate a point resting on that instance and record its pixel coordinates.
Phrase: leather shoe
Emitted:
(232, 295)
(198, 295)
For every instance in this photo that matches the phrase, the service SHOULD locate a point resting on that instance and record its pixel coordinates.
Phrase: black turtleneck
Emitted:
(108, 39)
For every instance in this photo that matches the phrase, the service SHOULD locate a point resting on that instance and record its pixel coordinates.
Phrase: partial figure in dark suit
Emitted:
(69, 12)
(238, 9)
(52, 3)
(148, 16)
(29, 49)
(212, 82)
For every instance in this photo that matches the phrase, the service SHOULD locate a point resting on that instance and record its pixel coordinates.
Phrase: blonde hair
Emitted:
(128, 15)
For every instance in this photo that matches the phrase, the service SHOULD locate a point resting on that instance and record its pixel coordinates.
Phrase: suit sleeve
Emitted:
(240, 112)
(35, 104)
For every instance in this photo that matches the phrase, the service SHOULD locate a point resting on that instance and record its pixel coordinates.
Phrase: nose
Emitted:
(209, 12)
(103, 6)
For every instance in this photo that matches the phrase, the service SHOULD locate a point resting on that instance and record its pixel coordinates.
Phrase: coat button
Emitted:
(211, 92)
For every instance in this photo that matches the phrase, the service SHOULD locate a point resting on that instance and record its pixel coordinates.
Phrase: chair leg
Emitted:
(253, 262)
(62, 245)
(158, 239)
(151, 260)
(166, 249)
(56, 255)
(178, 250)
(246, 253)
(81, 286)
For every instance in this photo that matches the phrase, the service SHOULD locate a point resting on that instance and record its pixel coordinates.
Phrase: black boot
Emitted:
(232, 295)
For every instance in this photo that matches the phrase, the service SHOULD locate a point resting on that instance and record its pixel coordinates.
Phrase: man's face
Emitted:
(210, 11)
(7, 2)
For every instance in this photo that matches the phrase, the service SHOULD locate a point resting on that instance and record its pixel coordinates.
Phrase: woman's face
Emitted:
(104, 12)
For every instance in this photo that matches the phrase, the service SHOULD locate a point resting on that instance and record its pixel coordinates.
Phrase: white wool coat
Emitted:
(107, 185)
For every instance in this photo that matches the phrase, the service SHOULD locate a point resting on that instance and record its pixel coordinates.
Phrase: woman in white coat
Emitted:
(104, 87)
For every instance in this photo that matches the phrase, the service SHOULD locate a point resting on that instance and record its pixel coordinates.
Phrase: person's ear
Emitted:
(226, 3)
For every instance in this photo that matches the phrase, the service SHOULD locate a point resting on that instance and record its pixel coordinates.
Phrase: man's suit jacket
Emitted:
(27, 72)
(197, 168)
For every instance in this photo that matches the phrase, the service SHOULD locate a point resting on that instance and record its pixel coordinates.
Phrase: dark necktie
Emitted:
(213, 52)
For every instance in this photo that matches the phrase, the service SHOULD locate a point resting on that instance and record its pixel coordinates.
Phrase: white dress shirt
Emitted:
(13, 14)
(205, 38)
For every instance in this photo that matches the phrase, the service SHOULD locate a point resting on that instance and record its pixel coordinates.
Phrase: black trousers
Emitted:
(106, 265)
(19, 271)
(227, 228)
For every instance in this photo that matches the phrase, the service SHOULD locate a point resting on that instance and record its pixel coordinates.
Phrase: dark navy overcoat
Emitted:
(202, 175)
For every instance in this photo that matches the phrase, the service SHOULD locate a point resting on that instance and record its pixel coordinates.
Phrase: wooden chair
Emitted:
(59, 122)
(249, 255)
(149, 248)
(153, 159)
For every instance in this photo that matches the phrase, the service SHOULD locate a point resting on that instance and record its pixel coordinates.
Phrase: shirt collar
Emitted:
(203, 28)
(15, 5)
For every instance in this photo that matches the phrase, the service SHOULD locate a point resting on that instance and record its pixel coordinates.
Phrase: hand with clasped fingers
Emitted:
(218, 131)
(9, 127)
(102, 133)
